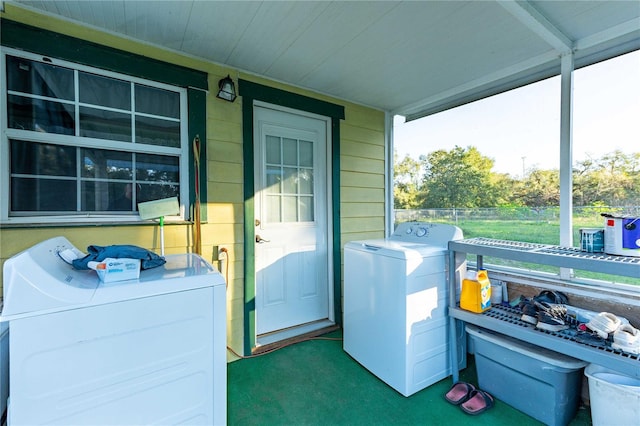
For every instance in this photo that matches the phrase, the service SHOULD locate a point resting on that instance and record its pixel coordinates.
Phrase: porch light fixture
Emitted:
(226, 89)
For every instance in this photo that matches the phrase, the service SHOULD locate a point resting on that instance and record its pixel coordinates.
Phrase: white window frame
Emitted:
(85, 142)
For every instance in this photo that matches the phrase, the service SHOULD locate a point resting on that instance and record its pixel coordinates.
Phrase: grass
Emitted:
(543, 232)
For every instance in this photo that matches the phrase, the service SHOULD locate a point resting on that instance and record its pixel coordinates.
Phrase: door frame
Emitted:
(250, 92)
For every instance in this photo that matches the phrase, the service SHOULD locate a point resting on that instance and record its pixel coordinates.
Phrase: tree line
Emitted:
(464, 178)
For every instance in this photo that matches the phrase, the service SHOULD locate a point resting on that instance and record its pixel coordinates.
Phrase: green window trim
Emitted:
(48, 43)
(252, 91)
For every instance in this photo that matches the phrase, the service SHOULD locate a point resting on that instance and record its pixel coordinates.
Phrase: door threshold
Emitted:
(269, 341)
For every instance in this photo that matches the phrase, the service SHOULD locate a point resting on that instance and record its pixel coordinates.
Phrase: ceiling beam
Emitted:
(630, 27)
(539, 24)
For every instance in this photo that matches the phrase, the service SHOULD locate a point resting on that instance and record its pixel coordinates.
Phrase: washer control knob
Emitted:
(409, 230)
(422, 232)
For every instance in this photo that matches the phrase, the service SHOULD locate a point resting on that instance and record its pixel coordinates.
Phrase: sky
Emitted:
(520, 129)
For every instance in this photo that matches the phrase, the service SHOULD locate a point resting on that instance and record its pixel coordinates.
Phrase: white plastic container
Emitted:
(121, 269)
(622, 236)
(615, 398)
(496, 293)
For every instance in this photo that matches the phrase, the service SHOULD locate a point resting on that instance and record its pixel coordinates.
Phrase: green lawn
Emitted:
(542, 232)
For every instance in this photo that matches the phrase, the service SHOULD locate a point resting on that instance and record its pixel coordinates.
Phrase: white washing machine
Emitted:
(395, 305)
(145, 351)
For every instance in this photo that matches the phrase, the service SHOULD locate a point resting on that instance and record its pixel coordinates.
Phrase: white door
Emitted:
(291, 210)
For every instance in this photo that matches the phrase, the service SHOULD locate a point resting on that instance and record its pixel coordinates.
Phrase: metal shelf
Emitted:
(564, 257)
(501, 320)
(506, 321)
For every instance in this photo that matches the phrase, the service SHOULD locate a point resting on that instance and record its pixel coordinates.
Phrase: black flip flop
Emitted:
(479, 402)
(459, 393)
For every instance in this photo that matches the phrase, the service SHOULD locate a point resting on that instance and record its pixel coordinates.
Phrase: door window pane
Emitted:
(289, 152)
(289, 209)
(273, 150)
(305, 180)
(306, 209)
(306, 154)
(290, 184)
(274, 179)
(273, 209)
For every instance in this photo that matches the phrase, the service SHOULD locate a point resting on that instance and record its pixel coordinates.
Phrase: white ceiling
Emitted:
(407, 57)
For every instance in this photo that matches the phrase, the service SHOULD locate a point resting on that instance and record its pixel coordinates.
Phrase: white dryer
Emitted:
(395, 305)
(144, 351)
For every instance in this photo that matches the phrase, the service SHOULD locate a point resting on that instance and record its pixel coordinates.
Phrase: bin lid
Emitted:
(537, 352)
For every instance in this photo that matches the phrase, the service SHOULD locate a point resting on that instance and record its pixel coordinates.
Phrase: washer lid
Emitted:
(38, 281)
(397, 249)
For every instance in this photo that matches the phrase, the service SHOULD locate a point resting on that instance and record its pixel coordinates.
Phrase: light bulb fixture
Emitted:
(226, 89)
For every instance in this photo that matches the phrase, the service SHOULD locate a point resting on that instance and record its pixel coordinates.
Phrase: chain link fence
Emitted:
(535, 214)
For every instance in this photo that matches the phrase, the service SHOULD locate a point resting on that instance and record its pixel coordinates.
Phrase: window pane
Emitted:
(306, 154)
(305, 178)
(273, 209)
(306, 209)
(104, 91)
(100, 163)
(157, 191)
(40, 115)
(31, 158)
(96, 196)
(290, 184)
(290, 209)
(290, 152)
(152, 100)
(273, 150)
(43, 195)
(157, 168)
(97, 123)
(157, 132)
(274, 179)
(40, 79)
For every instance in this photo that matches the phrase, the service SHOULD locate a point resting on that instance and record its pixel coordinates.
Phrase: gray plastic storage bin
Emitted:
(539, 382)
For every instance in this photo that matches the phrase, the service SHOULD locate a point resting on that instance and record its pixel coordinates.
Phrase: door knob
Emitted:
(257, 222)
(260, 240)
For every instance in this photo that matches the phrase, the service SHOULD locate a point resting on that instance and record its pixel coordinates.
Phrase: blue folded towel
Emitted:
(148, 258)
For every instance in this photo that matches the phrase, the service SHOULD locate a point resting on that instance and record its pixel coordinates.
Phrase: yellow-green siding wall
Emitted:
(362, 176)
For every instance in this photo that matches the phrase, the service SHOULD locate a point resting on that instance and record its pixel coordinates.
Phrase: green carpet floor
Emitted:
(316, 383)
